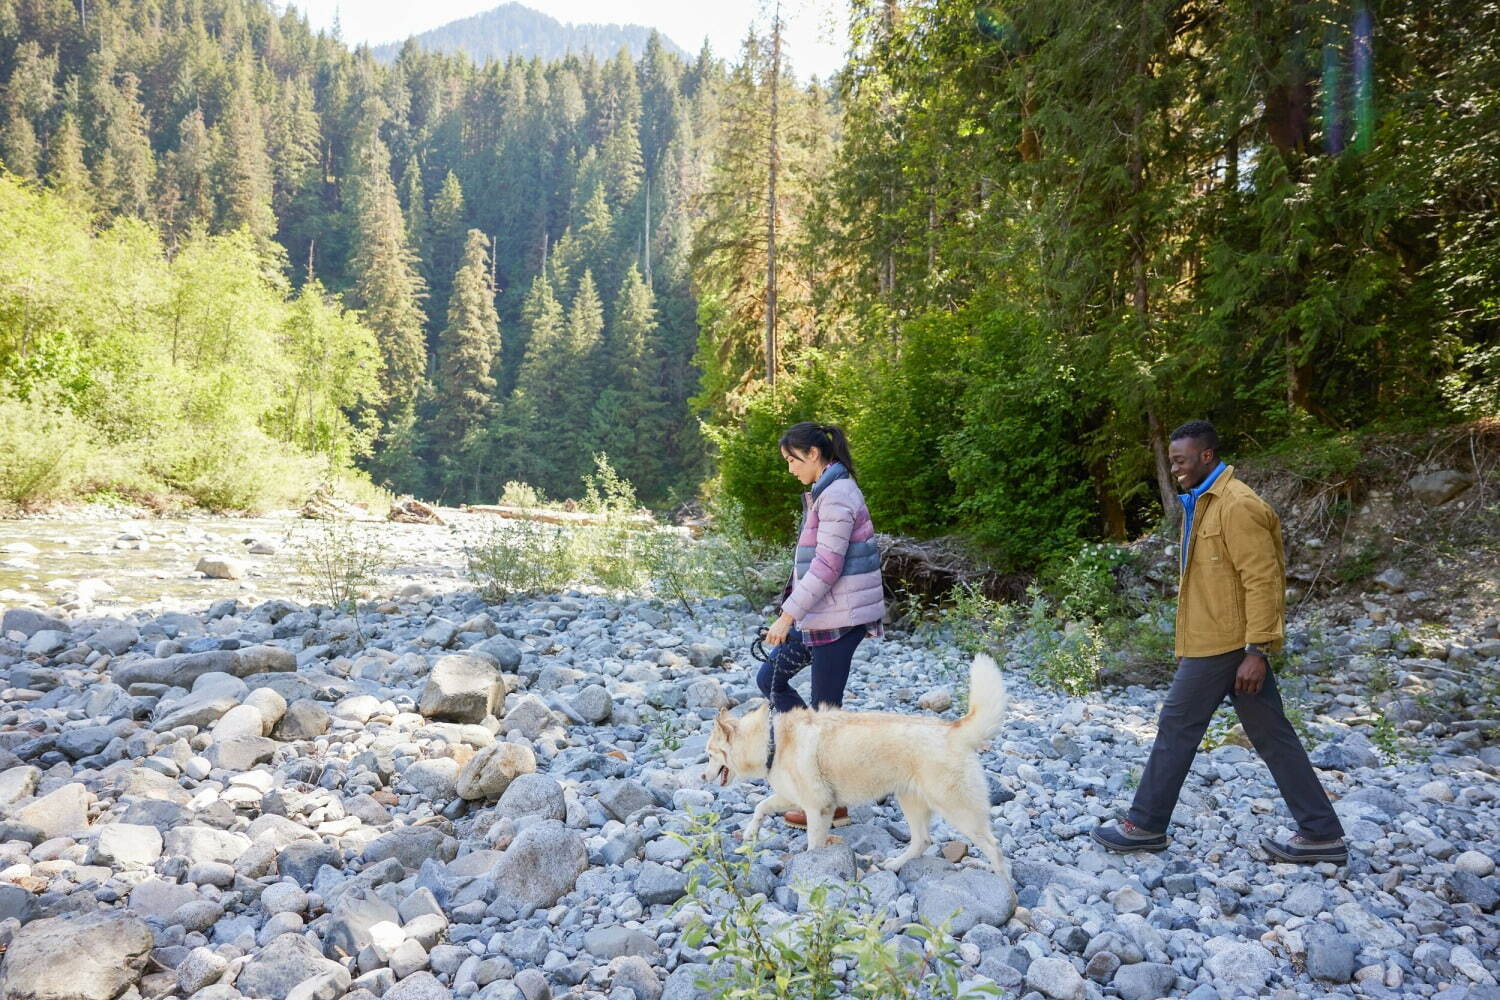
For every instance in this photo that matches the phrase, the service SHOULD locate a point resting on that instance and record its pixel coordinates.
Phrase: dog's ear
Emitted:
(724, 722)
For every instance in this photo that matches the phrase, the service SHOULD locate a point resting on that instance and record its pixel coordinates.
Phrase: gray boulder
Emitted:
(287, 961)
(29, 622)
(821, 866)
(125, 845)
(61, 813)
(461, 688)
(612, 942)
(1055, 978)
(634, 973)
(1437, 488)
(505, 652)
(659, 884)
(411, 845)
(969, 897)
(96, 956)
(533, 795)
(490, 772)
(530, 716)
(353, 915)
(1330, 955)
(204, 843)
(540, 866)
(305, 719)
(1145, 981)
(419, 986)
(221, 568)
(624, 798)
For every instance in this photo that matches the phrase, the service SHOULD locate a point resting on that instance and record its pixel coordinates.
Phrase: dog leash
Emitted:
(758, 653)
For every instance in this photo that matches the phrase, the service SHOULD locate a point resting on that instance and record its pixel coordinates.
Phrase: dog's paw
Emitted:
(893, 864)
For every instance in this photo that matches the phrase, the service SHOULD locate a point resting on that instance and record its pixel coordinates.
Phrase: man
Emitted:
(1230, 621)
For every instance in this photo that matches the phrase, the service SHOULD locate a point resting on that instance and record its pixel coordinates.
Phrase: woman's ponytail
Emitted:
(829, 439)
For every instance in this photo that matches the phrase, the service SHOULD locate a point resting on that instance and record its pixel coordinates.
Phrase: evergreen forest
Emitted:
(1008, 246)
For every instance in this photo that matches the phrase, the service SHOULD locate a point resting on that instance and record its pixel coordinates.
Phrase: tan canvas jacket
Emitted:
(1233, 590)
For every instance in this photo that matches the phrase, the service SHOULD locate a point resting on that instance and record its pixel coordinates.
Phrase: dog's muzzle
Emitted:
(723, 776)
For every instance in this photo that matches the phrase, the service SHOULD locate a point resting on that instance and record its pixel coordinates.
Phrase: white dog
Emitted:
(828, 758)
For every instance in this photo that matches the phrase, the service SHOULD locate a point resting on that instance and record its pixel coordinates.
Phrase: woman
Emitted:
(836, 597)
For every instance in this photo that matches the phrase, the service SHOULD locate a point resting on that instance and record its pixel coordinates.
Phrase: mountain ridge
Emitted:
(516, 29)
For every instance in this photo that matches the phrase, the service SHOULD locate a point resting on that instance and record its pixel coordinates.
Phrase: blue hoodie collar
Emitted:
(1190, 498)
(1189, 501)
(832, 474)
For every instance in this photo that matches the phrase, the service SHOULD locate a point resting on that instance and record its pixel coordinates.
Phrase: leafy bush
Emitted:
(1326, 456)
(751, 960)
(1085, 582)
(44, 452)
(517, 494)
(339, 561)
(520, 557)
(195, 373)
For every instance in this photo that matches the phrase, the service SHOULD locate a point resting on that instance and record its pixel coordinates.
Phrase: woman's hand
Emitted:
(776, 634)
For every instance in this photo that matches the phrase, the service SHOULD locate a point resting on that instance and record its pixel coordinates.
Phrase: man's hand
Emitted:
(1252, 674)
(776, 634)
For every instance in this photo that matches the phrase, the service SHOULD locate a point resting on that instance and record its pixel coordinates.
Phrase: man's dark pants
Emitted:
(1201, 683)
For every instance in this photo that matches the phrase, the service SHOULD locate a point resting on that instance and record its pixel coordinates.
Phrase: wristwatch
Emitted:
(1251, 647)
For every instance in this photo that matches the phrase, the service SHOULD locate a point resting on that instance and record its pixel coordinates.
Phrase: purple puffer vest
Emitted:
(837, 569)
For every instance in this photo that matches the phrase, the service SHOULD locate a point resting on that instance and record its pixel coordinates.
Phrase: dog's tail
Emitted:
(987, 704)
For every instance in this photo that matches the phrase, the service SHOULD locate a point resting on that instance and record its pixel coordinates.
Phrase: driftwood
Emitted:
(551, 515)
(934, 567)
(323, 505)
(408, 510)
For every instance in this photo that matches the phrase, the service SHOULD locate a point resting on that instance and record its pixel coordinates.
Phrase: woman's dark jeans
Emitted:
(830, 670)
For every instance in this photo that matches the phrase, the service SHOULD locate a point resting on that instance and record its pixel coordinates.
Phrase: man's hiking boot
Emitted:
(1127, 838)
(1300, 850)
(798, 818)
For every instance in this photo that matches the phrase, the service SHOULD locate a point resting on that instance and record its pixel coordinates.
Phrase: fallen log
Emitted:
(552, 515)
(409, 510)
(932, 568)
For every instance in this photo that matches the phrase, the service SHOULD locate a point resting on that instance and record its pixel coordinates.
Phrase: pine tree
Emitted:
(66, 172)
(447, 229)
(414, 207)
(469, 346)
(18, 146)
(127, 166)
(190, 177)
(628, 417)
(245, 168)
(387, 288)
(294, 142)
(534, 429)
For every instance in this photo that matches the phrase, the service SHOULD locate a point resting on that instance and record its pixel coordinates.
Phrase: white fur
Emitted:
(832, 758)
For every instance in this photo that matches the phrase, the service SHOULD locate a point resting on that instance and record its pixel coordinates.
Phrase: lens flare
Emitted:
(1358, 44)
(1364, 83)
(1333, 118)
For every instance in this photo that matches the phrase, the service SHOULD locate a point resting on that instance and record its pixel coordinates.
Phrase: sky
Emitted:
(815, 29)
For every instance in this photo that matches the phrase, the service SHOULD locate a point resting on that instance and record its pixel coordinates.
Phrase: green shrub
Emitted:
(339, 561)
(44, 451)
(1085, 582)
(1323, 456)
(520, 557)
(752, 960)
(1071, 660)
(517, 494)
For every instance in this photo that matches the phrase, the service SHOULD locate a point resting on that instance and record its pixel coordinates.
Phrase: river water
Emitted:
(113, 561)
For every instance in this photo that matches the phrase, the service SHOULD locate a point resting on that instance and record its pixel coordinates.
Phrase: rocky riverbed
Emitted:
(211, 789)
